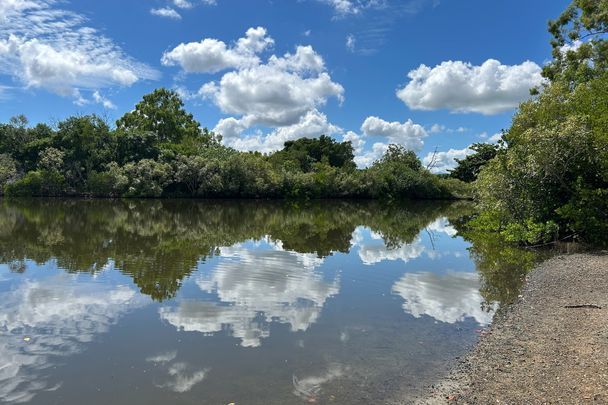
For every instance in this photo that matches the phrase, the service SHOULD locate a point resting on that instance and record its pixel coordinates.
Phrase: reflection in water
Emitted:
(44, 320)
(182, 376)
(450, 297)
(277, 285)
(309, 388)
(72, 270)
(373, 249)
(442, 225)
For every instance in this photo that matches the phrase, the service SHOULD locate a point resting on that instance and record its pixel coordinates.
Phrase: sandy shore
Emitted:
(551, 347)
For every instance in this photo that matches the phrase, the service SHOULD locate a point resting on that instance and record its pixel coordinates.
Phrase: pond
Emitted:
(244, 302)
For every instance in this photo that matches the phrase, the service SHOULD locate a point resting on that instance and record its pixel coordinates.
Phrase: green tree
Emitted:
(162, 112)
(468, 168)
(303, 153)
(86, 144)
(580, 49)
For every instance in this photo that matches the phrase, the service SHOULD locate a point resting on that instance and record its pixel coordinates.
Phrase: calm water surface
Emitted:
(189, 302)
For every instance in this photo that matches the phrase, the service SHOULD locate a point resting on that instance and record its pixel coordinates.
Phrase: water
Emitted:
(189, 302)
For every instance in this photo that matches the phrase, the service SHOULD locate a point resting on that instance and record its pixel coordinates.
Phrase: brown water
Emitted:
(189, 302)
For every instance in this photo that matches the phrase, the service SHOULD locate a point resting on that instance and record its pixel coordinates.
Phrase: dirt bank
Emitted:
(551, 347)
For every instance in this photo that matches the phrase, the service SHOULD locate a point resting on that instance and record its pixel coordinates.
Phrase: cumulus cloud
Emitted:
(451, 297)
(311, 125)
(46, 47)
(278, 99)
(283, 286)
(462, 87)
(356, 140)
(212, 55)
(275, 94)
(368, 157)
(166, 12)
(407, 134)
(495, 138)
(442, 162)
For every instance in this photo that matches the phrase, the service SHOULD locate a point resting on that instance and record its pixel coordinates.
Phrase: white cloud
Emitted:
(495, 138)
(407, 134)
(166, 12)
(351, 42)
(169, 12)
(211, 55)
(450, 298)
(99, 99)
(572, 47)
(462, 87)
(46, 47)
(442, 162)
(437, 128)
(183, 4)
(311, 125)
(277, 93)
(281, 97)
(356, 140)
(367, 158)
(344, 8)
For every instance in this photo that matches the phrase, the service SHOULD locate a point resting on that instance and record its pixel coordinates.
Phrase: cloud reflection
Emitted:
(43, 320)
(451, 297)
(373, 249)
(309, 388)
(254, 288)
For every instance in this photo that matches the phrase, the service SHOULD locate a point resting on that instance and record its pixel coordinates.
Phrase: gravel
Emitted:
(550, 347)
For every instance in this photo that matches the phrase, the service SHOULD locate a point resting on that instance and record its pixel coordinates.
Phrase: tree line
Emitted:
(160, 150)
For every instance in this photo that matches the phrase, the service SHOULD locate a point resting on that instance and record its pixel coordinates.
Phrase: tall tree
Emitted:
(162, 112)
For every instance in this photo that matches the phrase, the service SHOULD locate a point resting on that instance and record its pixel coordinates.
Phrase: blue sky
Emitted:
(262, 72)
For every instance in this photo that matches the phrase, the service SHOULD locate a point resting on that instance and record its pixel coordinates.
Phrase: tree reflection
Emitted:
(160, 242)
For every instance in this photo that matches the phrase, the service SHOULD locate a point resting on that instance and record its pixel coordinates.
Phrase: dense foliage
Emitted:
(467, 169)
(551, 179)
(159, 150)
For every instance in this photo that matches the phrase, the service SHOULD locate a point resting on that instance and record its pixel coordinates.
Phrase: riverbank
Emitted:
(549, 347)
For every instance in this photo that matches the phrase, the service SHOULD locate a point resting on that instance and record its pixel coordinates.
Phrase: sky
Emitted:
(434, 76)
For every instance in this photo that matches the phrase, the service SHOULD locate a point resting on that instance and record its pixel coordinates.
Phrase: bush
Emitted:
(147, 178)
(37, 183)
(110, 183)
(8, 171)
